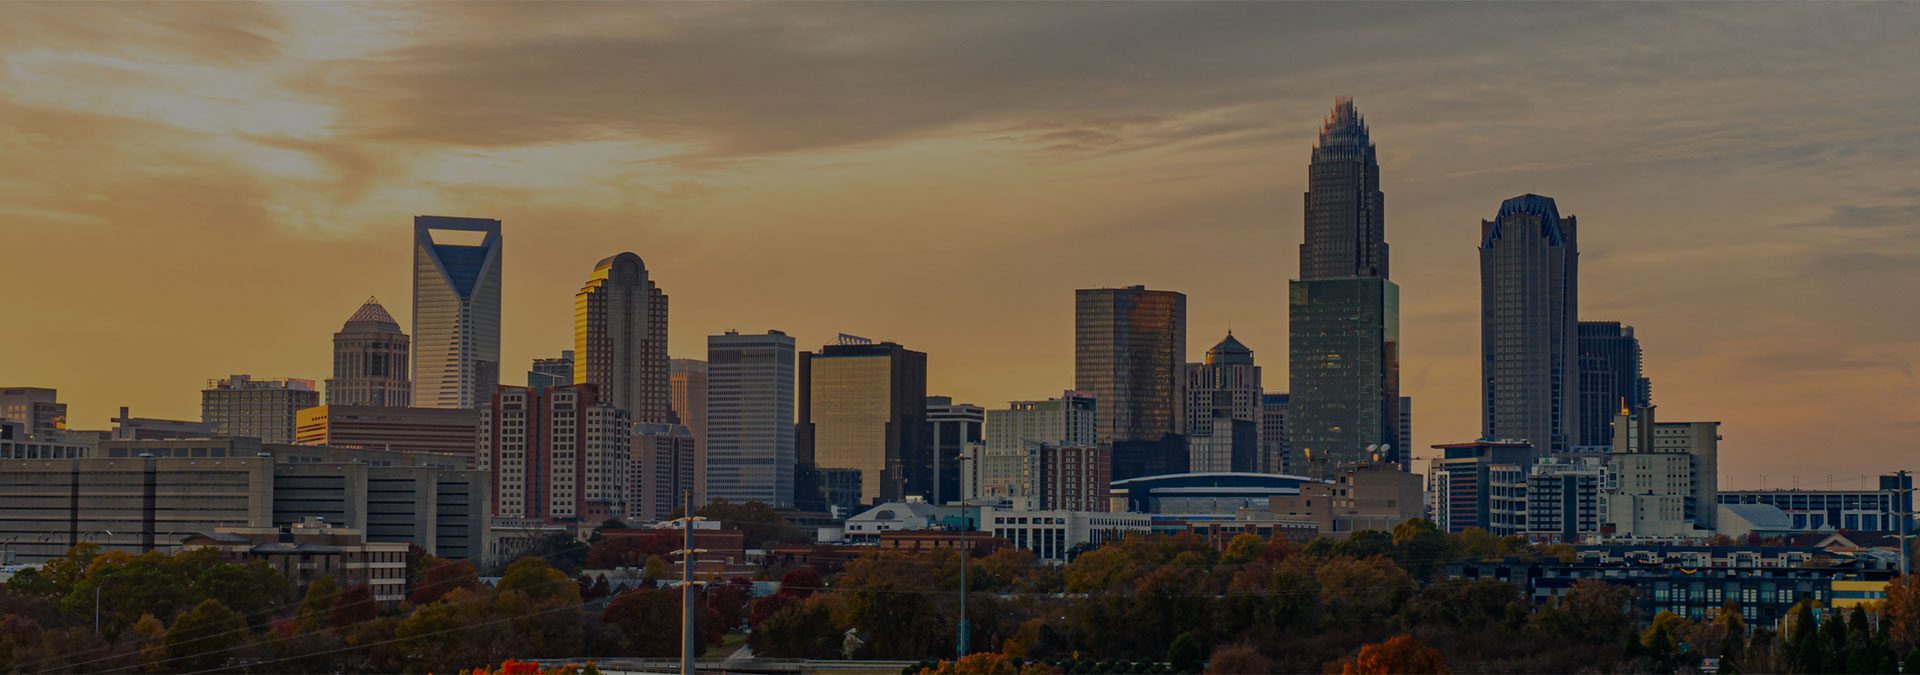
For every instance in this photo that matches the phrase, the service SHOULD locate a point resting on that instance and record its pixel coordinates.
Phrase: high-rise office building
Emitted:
(370, 360)
(37, 409)
(552, 372)
(687, 378)
(248, 408)
(863, 408)
(1343, 313)
(1129, 349)
(749, 418)
(1529, 346)
(1013, 436)
(456, 311)
(660, 472)
(1610, 379)
(1222, 393)
(556, 454)
(620, 338)
(1405, 446)
(1273, 434)
(951, 428)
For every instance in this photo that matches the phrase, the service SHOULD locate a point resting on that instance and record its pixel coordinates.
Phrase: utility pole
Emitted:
(687, 552)
(1903, 492)
(966, 631)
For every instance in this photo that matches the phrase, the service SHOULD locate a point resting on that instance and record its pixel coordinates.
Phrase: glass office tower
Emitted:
(456, 311)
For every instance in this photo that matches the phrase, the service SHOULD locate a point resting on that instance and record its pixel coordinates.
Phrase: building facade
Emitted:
(305, 552)
(147, 495)
(1663, 477)
(1610, 380)
(863, 408)
(660, 473)
(370, 360)
(620, 339)
(1223, 393)
(1013, 435)
(265, 409)
(1354, 496)
(750, 442)
(39, 409)
(1130, 348)
(1876, 510)
(552, 372)
(452, 433)
(951, 428)
(1460, 489)
(1074, 478)
(1052, 534)
(1274, 444)
(557, 454)
(687, 380)
(456, 311)
(1529, 344)
(1343, 312)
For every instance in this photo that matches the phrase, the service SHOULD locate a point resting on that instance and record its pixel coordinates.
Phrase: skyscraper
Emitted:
(687, 378)
(456, 311)
(1610, 380)
(552, 372)
(749, 418)
(620, 338)
(1221, 394)
(863, 408)
(1274, 443)
(1129, 349)
(1343, 313)
(265, 409)
(951, 428)
(370, 360)
(1529, 346)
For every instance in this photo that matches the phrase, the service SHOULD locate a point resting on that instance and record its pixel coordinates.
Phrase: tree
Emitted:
(760, 526)
(1185, 654)
(540, 581)
(1358, 593)
(1243, 548)
(322, 595)
(1420, 547)
(649, 619)
(1364, 544)
(1239, 659)
(204, 637)
(627, 548)
(442, 576)
(355, 605)
(1903, 613)
(1399, 654)
(804, 629)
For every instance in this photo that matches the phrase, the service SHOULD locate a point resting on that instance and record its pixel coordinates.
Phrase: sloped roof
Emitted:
(373, 313)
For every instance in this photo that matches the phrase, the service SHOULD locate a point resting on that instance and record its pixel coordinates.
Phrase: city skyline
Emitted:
(1757, 258)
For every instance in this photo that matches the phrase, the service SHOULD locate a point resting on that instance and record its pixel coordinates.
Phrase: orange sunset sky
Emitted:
(192, 190)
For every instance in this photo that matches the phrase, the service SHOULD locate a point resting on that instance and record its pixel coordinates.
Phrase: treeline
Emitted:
(1373, 602)
(193, 612)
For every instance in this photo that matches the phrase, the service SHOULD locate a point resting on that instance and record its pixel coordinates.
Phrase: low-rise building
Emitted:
(1204, 493)
(1765, 594)
(1051, 535)
(16, 442)
(910, 516)
(240, 405)
(306, 551)
(454, 433)
(1875, 510)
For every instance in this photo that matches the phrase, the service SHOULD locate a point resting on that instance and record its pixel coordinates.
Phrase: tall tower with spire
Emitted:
(370, 360)
(1343, 313)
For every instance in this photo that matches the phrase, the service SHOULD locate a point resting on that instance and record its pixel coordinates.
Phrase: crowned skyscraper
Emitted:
(620, 339)
(456, 311)
(370, 361)
(1529, 340)
(1343, 312)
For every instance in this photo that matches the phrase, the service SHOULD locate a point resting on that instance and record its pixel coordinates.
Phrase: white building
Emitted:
(1661, 480)
(1051, 534)
(867, 525)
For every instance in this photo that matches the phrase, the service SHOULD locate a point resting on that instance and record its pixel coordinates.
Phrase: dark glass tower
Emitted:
(1610, 380)
(1343, 312)
(1130, 351)
(1529, 350)
(863, 410)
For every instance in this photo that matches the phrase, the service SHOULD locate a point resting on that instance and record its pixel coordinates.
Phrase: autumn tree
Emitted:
(1399, 654)
(1903, 613)
(1238, 659)
(204, 637)
(442, 576)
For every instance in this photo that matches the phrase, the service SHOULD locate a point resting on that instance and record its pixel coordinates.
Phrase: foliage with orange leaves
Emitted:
(1399, 655)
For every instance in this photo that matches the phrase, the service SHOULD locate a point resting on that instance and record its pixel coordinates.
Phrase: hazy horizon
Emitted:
(197, 190)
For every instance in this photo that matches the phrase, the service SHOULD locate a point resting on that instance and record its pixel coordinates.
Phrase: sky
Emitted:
(189, 190)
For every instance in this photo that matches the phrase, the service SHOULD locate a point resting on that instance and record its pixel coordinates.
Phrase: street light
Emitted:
(96, 595)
